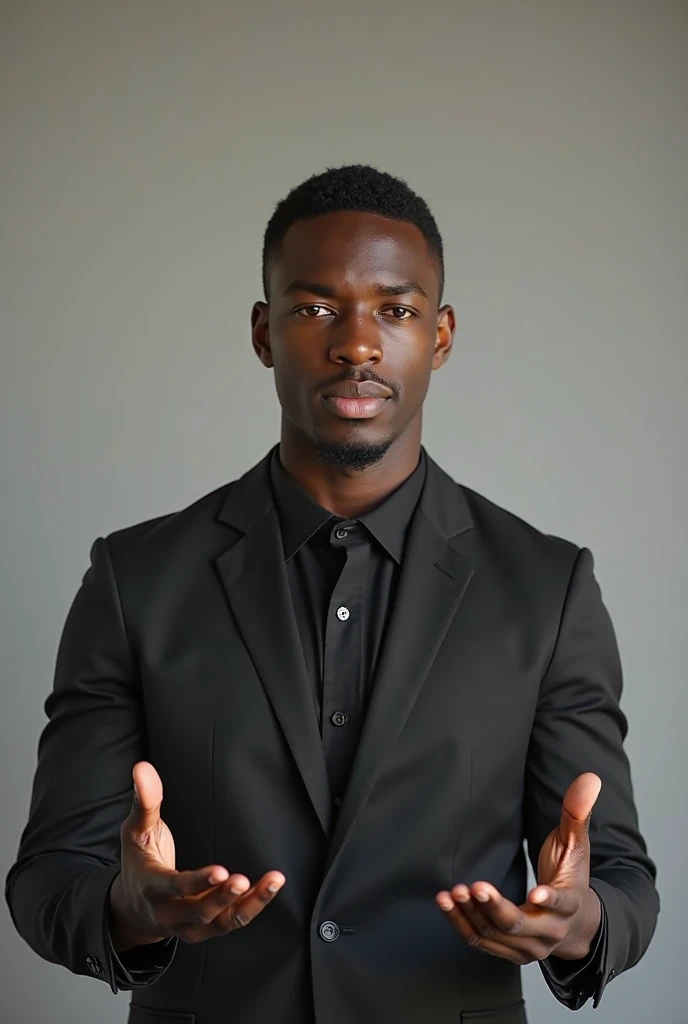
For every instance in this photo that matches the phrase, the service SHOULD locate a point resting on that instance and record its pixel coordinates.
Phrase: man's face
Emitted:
(352, 329)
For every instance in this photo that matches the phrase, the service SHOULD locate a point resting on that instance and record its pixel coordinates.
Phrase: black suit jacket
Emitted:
(499, 683)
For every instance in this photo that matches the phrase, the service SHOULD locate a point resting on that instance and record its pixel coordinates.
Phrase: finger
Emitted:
(528, 929)
(189, 916)
(447, 903)
(161, 886)
(473, 911)
(194, 918)
(472, 907)
(243, 909)
(183, 884)
(577, 807)
(502, 914)
(205, 906)
(145, 813)
(458, 918)
(562, 901)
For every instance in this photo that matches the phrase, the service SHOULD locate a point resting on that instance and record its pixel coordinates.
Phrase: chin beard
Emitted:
(354, 456)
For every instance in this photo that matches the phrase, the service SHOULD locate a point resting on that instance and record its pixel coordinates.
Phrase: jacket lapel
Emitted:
(434, 577)
(253, 573)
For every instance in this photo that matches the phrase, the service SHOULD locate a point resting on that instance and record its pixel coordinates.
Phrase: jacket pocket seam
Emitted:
(140, 1014)
(497, 1011)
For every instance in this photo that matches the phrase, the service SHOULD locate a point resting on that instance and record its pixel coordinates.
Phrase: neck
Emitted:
(349, 493)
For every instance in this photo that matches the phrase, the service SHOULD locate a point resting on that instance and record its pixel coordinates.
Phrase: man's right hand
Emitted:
(150, 900)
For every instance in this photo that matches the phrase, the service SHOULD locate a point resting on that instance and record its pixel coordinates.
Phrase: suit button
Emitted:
(329, 931)
(343, 613)
(94, 965)
(339, 718)
(337, 801)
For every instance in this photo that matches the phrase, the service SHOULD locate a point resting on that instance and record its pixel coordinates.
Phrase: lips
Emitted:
(356, 408)
(366, 389)
(350, 400)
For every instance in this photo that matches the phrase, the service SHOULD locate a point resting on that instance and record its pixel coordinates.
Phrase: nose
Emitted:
(356, 341)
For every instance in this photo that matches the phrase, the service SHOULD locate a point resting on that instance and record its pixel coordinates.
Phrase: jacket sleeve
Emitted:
(58, 888)
(579, 727)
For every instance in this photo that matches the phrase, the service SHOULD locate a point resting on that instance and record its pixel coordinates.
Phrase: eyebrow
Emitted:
(326, 292)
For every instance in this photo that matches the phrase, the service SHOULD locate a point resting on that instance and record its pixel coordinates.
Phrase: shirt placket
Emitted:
(342, 657)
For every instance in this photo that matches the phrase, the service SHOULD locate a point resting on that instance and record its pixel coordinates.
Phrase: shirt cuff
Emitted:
(142, 965)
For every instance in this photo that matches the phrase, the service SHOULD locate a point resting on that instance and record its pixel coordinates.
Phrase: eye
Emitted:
(314, 312)
(401, 313)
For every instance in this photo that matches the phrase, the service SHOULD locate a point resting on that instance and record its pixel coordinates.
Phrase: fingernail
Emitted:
(274, 886)
(445, 902)
(482, 896)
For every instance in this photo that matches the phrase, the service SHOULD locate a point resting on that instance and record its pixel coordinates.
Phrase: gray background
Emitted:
(144, 145)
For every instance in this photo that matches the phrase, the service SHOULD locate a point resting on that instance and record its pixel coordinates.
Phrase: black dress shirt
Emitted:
(342, 576)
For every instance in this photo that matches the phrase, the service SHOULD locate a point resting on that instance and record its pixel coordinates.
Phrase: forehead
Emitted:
(354, 249)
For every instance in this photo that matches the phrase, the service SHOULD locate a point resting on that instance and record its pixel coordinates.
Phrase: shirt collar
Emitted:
(301, 517)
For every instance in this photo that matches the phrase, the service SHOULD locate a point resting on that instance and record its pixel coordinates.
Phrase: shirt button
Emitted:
(94, 965)
(339, 718)
(329, 931)
(342, 534)
(343, 613)
(337, 801)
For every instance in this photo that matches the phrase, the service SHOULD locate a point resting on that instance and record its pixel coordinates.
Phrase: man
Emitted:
(360, 687)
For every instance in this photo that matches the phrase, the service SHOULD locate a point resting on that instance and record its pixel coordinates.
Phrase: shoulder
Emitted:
(172, 526)
(499, 536)
(496, 523)
(202, 523)
(157, 554)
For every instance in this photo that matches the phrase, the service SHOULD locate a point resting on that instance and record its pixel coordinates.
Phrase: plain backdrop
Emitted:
(144, 145)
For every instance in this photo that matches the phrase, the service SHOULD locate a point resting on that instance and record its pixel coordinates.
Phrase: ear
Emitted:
(260, 332)
(446, 325)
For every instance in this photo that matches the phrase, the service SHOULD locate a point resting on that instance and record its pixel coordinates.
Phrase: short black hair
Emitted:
(359, 188)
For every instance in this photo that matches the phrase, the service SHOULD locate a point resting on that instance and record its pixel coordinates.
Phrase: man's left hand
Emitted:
(561, 914)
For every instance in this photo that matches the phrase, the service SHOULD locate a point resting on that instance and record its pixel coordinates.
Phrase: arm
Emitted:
(579, 727)
(594, 909)
(95, 887)
(58, 889)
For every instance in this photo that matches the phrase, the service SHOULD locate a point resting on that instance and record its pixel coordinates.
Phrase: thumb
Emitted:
(576, 811)
(147, 796)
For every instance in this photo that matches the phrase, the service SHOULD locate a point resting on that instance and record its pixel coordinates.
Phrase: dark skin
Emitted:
(326, 318)
(353, 297)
